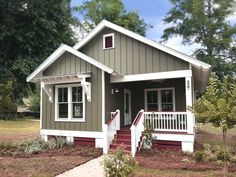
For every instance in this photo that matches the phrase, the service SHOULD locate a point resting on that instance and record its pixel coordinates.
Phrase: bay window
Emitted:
(69, 103)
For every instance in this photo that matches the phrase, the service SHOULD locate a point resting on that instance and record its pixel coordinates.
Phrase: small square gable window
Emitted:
(108, 41)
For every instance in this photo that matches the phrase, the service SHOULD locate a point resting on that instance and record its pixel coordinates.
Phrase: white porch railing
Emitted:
(110, 130)
(171, 121)
(136, 132)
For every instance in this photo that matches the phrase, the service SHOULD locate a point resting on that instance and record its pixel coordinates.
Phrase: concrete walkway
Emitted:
(92, 168)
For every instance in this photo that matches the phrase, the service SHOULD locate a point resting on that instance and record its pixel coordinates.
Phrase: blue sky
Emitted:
(153, 11)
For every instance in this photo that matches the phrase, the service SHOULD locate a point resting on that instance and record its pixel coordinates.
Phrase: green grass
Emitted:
(19, 126)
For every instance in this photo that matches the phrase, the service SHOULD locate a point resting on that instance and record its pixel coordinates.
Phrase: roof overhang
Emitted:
(57, 53)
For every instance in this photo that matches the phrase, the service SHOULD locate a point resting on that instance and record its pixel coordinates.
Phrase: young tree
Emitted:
(29, 32)
(95, 11)
(218, 106)
(206, 22)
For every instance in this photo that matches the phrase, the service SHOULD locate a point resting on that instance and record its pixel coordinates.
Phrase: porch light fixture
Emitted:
(113, 91)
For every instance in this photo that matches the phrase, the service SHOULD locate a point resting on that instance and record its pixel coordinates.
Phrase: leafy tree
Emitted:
(29, 32)
(218, 106)
(8, 108)
(34, 99)
(95, 11)
(205, 22)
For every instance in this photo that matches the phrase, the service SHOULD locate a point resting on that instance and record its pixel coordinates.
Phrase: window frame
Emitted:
(69, 97)
(113, 41)
(159, 97)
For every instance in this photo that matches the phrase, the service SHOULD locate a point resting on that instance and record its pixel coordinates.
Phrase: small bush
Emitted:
(199, 156)
(220, 156)
(118, 164)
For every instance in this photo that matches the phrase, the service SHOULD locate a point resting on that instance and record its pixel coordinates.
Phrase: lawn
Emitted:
(156, 163)
(19, 130)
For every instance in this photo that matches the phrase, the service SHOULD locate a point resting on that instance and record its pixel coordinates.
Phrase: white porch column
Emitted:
(189, 103)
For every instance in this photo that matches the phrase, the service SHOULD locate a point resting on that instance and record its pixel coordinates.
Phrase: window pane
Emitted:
(62, 94)
(77, 95)
(63, 110)
(152, 100)
(77, 110)
(108, 42)
(166, 99)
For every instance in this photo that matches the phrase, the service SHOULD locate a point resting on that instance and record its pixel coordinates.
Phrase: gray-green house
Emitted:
(115, 78)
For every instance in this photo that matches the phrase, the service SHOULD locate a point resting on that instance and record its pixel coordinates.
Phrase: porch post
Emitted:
(189, 103)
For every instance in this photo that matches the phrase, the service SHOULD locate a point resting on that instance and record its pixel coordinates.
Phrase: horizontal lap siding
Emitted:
(70, 64)
(131, 56)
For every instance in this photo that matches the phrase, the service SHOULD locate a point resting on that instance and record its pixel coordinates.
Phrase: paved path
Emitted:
(92, 168)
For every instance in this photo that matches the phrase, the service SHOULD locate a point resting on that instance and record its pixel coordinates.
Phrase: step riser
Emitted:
(126, 137)
(114, 146)
(122, 142)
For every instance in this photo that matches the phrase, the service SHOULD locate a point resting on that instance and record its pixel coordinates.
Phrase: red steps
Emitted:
(122, 138)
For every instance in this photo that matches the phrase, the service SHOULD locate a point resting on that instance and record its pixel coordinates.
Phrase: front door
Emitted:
(127, 107)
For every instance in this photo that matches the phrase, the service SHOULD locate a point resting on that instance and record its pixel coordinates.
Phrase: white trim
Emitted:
(41, 106)
(174, 137)
(159, 97)
(103, 24)
(57, 53)
(113, 41)
(103, 101)
(69, 101)
(188, 92)
(83, 134)
(151, 76)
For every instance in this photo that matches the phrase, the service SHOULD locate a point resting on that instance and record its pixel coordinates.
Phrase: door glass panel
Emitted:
(62, 102)
(77, 102)
(127, 103)
(167, 100)
(152, 100)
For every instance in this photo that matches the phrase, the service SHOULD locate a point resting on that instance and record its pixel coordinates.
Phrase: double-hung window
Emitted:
(69, 103)
(160, 99)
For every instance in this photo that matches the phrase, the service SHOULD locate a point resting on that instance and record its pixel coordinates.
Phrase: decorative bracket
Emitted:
(49, 91)
(87, 88)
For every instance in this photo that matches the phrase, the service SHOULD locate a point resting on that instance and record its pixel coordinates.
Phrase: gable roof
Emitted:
(103, 24)
(58, 52)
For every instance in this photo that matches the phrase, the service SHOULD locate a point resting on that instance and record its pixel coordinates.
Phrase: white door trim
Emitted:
(127, 122)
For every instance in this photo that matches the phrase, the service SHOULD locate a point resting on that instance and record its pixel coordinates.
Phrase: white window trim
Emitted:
(70, 118)
(159, 96)
(113, 40)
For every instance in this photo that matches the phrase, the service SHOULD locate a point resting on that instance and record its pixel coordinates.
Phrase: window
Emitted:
(69, 103)
(108, 41)
(161, 99)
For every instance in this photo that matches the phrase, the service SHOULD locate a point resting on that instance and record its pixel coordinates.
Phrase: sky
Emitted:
(153, 12)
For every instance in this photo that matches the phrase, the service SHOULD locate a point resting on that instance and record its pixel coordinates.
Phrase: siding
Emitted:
(131, 56)
(69, 64)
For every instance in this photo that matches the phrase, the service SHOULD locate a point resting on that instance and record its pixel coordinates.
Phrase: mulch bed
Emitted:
(173, 160)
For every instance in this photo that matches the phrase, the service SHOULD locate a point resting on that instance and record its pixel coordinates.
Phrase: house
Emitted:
(100, 91)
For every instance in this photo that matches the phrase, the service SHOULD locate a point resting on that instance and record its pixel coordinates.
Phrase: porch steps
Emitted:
(122, 138)
(167, 145)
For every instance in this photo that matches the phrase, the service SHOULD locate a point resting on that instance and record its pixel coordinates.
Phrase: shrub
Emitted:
(147, 133)
(118, 164)
(199, 156)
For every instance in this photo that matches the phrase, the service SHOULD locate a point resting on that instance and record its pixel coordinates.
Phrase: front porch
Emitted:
(163, 103)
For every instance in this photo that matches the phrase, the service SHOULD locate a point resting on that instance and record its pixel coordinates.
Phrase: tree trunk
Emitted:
(225, 154)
